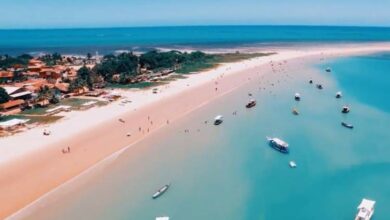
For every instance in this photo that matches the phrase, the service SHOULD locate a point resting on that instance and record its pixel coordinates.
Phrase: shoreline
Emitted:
(65, 170)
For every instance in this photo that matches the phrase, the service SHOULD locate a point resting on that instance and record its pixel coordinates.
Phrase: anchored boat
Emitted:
(295, 111)
(162, 218)
(218, 120)
(365, 210)
(278, 144)
(292, 164)
(297, 97)
(251, 103)
(346, 125)
(339, 95)
(345, 109)
(161, 191)
(328, 70)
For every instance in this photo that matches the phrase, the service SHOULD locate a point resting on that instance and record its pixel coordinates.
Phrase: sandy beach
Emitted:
(32, 164)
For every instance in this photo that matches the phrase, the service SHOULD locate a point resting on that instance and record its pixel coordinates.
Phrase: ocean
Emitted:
(229, 172)
(111, 40)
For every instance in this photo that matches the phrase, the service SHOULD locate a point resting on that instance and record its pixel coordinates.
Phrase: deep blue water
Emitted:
(107, 40)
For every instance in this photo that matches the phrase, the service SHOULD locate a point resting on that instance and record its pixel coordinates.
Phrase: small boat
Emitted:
(297, 97)
(328, 70)
(295, 111)
(46, 132)
(346, 125)
(292, 164)
(345, 109)
(161, 191)
(365, 210)
(218, 120)
(311, 81)
(251, 103)
(339, 95)
(319, 86)
(162, 218)
(278, 144)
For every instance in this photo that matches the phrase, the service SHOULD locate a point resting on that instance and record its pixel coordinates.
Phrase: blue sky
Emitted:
(128, 13)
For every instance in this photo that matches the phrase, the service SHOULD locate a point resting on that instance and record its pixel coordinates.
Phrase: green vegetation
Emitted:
(51, 59)
(9, 61)
(4, 97)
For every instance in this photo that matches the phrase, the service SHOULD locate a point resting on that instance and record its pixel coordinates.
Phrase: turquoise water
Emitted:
(230, 172)
(107, 40)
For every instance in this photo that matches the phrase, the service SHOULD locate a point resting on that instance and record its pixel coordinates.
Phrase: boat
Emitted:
(292, 164)
(218, 120)
(345, 109)
(328, 70)
(346, 125)
(278, 144)
(251, 103)
(161, 191)
(295, 111)
(297, 97)
(319, 86)
(365, 210)
(339, 95)
(162, 218)
(311, 81)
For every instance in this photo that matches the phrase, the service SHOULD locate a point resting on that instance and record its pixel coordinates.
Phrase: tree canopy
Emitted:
(4, 97)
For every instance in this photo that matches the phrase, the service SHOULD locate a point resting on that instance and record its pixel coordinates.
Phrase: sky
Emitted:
(16, 14)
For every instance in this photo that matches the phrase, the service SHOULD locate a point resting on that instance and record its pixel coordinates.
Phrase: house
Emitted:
(6, 76)
(50, 73)
(62, 87)
(13, 124)
(11, 107)
(18, 92)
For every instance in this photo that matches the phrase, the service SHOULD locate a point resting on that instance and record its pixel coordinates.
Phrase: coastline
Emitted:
(98, 131)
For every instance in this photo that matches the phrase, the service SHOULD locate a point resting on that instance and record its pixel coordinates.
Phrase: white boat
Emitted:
(365, 210)
(161, 191)
(297, 97)
(345, 109)
(218, 120)
(162, 218)
(278, 144)
(292, 164)
(339, 95)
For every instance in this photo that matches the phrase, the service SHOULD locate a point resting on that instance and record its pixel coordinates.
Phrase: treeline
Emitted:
(7, 61)
(125, 66)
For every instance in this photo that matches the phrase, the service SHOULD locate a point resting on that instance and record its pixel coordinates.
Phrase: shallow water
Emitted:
(230, 172)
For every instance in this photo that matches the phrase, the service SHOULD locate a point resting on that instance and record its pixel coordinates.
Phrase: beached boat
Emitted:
(297, 97)
(251, 103)
(295, 111)
(328, 70)
(339, 95)
(292, 164)
(218, 120)
(162, 218)
(319, 86)
(345, 109)
(346, 125)
(365, 210)
(161, 191)
(278, 144)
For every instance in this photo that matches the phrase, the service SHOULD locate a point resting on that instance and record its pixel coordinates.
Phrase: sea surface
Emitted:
(229, 172)
(110, 40)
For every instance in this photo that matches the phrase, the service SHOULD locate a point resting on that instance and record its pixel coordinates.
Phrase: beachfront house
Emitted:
(16, 92)
(6, 76)
(11, 107)
(13, 124)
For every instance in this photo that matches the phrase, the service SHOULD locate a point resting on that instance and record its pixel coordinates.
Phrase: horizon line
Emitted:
(195, 25)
